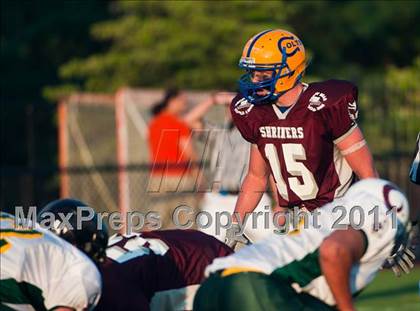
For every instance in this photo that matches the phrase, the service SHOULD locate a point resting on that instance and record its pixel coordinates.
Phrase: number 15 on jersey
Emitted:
(293, 156)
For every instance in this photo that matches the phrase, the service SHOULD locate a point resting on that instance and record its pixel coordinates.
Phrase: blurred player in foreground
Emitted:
(156, 270)
(317, 267)
(41, 271)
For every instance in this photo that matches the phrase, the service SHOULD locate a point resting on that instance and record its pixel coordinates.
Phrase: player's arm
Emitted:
(273, 189)
(338, 253)
(277, 208)
(253, 187)
(357, 154)
(341, 116)
(254, 184)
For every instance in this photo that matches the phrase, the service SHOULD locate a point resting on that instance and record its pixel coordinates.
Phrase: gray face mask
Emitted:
(401, 237)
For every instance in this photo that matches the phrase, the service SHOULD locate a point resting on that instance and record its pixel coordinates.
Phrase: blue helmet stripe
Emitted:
(255, 41)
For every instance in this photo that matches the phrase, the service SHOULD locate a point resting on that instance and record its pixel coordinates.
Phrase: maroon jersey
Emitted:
(141, 265)
(299, 144)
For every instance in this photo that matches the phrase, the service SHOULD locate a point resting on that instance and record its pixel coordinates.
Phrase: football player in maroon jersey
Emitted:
(305, 135)
(156, 270)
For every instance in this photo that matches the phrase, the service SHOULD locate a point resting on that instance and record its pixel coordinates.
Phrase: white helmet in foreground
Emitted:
(386, 192)
(402, 257)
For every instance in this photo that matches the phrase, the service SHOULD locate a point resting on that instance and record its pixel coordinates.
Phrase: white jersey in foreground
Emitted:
(295, 256)
(40, 271)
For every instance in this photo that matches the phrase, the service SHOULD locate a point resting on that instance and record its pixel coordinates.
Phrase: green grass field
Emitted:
(387, 293)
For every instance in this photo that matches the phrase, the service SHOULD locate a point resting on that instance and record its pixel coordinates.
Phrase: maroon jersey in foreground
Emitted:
(142, 264)
(299, 144)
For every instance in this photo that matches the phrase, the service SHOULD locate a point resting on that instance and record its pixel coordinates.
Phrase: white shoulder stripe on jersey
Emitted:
(346, 134)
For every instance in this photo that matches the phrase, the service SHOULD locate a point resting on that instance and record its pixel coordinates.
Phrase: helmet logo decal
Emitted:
(248, 61)
(290, 44)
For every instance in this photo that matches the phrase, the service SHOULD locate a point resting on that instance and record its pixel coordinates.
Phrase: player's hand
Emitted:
(234, 236)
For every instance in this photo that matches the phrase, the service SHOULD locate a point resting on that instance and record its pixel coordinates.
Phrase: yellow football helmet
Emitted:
(278, 51)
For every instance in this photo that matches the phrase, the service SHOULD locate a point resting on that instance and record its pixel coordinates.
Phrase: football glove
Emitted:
(234, 237)
(402, 261)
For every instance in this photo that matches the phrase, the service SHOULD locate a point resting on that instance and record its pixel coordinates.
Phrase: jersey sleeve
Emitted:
(341, 113)
(240, 109)
(74, 281)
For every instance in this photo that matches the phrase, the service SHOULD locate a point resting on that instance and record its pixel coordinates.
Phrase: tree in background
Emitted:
(51, 48)
(197, 44)
(188, 43)
(36, 37)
